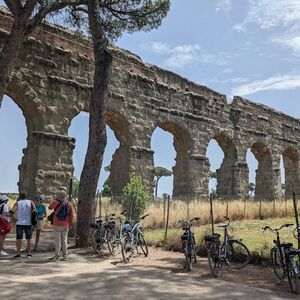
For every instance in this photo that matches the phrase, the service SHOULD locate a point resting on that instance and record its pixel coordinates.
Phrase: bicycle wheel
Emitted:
(142, 243)
(97, 241)
(293, 273)
(127, 251)
(237, 254)
(113, 243)
(277, 264)
(215, 263)
(193, 251)
(188, 258)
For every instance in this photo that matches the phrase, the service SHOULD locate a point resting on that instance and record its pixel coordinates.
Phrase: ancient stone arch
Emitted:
(52, 82)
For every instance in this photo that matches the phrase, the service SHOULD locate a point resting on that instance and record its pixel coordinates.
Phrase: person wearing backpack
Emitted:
(62, 221)
(6, 225)
(23, 209)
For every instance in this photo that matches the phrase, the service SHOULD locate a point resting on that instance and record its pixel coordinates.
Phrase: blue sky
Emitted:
(249, 48)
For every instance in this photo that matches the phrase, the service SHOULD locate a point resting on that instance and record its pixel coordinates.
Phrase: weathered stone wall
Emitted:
(52, 82)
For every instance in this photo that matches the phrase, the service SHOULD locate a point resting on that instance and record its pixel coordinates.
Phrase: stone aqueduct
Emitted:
(51, 84)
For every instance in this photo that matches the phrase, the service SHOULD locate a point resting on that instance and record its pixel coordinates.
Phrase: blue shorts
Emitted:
(20, 229)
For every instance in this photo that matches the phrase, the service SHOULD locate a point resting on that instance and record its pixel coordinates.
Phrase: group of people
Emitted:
(22, 214)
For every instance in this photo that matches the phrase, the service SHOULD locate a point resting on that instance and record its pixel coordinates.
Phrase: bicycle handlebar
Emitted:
(189, 221)
(276, 229)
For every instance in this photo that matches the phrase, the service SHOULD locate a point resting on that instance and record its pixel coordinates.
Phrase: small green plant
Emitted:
(136, 197)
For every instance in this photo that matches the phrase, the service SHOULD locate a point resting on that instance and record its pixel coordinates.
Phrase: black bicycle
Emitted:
(188, 243)
(285, 259)
(106, 233)
(132, 239)
(231, 253)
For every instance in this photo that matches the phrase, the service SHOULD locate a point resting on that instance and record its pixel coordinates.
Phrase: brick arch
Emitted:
(183, 145)
(226, 172)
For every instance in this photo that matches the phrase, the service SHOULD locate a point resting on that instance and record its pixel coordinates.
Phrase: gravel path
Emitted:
(87, 276)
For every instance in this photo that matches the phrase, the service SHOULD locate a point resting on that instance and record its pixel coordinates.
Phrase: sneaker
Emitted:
(35, 249)
(65, 258)
(3, 253)
(17, 256)
(54, 258)
(29, 256)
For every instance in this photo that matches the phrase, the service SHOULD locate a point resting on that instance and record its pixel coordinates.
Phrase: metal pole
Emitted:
(296, 217)
(211, 213)
(167, 220)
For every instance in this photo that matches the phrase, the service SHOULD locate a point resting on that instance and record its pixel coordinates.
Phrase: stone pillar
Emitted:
(131, 159)
(192, 178)
(232, 179)
(268, 183)
(46, 164)
(292, 175)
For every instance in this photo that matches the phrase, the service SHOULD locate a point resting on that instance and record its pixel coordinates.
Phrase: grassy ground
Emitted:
(250, 231)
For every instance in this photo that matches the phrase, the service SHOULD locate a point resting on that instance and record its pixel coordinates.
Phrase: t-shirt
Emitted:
(5, 211)
(24, 209)
(69, 219)
(41, 211)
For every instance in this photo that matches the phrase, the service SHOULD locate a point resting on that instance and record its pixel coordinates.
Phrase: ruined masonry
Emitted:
(51, 84)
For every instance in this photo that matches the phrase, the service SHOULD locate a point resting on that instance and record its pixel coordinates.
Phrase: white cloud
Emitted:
(223, 5)
(289, 40)
(182, 55)
(272, 13)
(285, 82)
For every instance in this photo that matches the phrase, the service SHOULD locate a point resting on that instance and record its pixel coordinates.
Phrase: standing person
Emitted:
(41, 214)
(62, 221)
(23, 210)
(4, 213)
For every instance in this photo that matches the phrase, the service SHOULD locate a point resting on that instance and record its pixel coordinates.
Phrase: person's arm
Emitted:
(15, 207)
(44, 208)
(52, 204)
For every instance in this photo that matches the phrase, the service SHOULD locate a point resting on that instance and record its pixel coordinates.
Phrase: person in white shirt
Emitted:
(23, 211)
(4, 212)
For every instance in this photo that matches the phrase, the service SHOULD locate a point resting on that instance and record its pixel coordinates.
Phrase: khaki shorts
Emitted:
(39, 225)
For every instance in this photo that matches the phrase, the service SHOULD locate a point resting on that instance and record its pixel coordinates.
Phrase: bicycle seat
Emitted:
(286, 245)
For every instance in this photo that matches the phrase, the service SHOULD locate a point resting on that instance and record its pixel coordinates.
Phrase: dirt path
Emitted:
(87, 276)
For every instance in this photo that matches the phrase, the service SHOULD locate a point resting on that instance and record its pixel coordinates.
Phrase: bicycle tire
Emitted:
(97, 242)
(188, 259)
(126, 249)
(112, 243)
(142, 243)
(193, 251)
(277, 264)
(237, 254)
(215, 263)
(293, 277)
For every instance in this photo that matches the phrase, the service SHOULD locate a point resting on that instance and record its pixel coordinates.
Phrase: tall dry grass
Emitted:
(181, 210)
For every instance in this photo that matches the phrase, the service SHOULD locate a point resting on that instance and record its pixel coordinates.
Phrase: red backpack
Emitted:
(5, 226)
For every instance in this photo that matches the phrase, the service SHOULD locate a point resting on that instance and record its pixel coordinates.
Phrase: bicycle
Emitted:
(285, 259)
(132, 238)
(188, 243)
(106, 232)
(231, 253)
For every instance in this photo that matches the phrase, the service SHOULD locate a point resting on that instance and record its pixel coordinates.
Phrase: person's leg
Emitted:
(19, 233)
(28, 231)
(37, 238)
(2, 238)
(64, 236)
(57, 239)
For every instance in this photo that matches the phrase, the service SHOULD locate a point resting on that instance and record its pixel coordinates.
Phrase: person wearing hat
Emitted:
(41, 214)
(4, 213)
(62, 221)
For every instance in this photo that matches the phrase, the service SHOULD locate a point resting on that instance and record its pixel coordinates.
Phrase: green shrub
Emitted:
(136, 197)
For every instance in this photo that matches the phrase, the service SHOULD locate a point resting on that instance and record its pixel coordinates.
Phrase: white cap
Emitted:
(4, 198)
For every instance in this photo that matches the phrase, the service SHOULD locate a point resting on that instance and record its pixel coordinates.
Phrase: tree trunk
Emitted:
(97, 127)
(9, 55)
